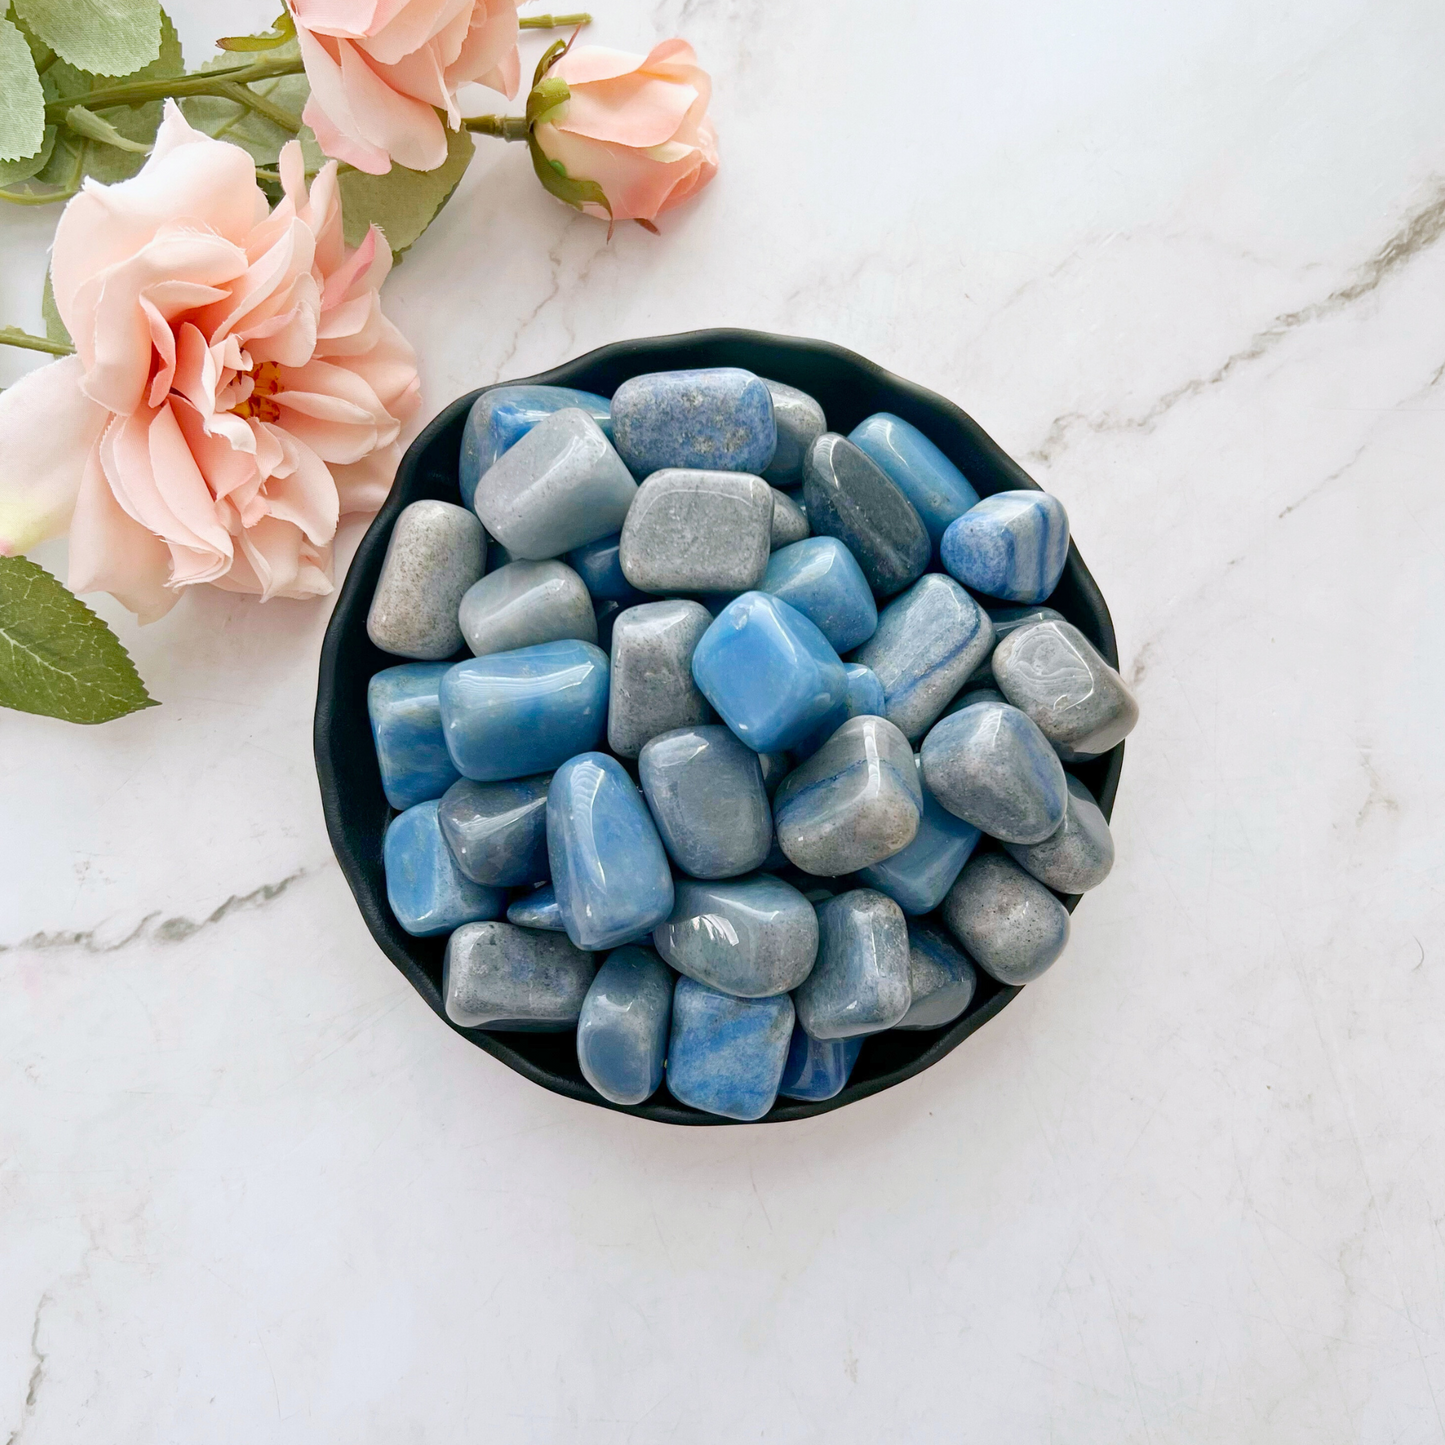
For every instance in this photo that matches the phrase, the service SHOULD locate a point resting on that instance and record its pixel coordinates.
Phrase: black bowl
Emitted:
(357, 813)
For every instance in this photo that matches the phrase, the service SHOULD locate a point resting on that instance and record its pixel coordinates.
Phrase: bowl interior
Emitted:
(849, 389)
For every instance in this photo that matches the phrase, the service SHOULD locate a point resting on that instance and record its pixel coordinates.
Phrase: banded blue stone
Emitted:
(406, 725)
(821, 578)
(725, 1055)
(719, 418)
(427, 890)
(939, 491)
(818, 1069)
(623, 1028)
(1011, 545)
(502, 415)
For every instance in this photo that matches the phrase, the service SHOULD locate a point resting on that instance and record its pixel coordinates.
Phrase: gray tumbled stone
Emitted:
(751, 937)
(498, 831)
(652, 686)
(859, 984)
(561, 486)
(705, 790)
(1078, 854)
(525, 603)
(1010, 924)
(695, 531)
(941, 980)
(775, 768)
(928, 642)
(789, 523)
(1009, 619)
(499, 976)
(971, 694)
(435, 553)
(1056, 675)
(989, 765)
(800, 422)
(856, 801)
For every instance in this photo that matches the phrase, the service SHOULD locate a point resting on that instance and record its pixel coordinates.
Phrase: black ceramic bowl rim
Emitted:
(849, 388)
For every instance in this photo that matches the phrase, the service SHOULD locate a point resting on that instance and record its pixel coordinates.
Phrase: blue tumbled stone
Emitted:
(537, 909)
(502, 416)
(406, 724)
(864, 699)
(498, 831)
(817, 1069)
(598, 566)
(726, 1055)
(918, 878)
(821, 578)
(1012, 545)
(770, 673)
(512, 714)
(941, 979)
(938, 490)
(860, 983)
(608, 864)
(428, 892)
(718, 419)
(622, 1032)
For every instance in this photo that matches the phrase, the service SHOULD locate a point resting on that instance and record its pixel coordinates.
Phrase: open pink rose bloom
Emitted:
(235, 387)
(637, 125)
(381, 69)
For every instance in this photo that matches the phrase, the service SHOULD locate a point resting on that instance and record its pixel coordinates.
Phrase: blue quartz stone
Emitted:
(1012, 545)
(726, 1054)
(598, 566)
(860, 983)
(502, 416)
(941, 979)
(918, 878)
(821, 578)
(608, 864)
(513, 714)
(718, 419)
(406, 722)
(537, 909)
(938, 490)
(770, 673)
(427, 891)
(817, 1069)
(622, 1033)
(864, 699)
(498, 831)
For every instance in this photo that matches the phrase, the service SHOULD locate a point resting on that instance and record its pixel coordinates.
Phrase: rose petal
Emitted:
(633, 110)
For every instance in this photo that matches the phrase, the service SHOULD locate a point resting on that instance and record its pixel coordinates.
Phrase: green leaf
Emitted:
(57, 658)
(55, 329)
(93, 127)
(22, 103)
(572, 189)
(105, 37)
(402, 203)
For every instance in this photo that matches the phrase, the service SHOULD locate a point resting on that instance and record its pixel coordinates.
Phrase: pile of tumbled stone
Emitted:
(711, 636)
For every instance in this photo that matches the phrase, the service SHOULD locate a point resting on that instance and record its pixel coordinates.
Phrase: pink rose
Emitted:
(235, 387)
(637, 126)
(381, 69)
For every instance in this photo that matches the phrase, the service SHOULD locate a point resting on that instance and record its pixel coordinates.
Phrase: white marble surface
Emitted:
(1186, 262)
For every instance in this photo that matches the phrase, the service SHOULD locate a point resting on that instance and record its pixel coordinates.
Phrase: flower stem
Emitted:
(206, 82)
(263, 107)
(35, 198)
(553, 22)
(14, 336)
(505, 127)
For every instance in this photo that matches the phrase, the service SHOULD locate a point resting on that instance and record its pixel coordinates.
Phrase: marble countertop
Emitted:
(1185, 263)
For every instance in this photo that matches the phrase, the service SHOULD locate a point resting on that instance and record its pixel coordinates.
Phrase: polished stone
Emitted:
(1078, 855)
(821, 578)
(720, 418)
(856, 801)
(864, 698)
(1056, 675)
(972, 694)
(928, 643)
(818, 1069)
(652, 684)
(524, 604)
(560, 487)
(406, 725)
(608, 864)
(991, 766)
(918, 878)
(769, 672)
(940, 493)
(725, 1055)
(498, 831)
(705, 790)
(753, 937)
(1012, 545)
(775, 767)
(501, 977)
(1009, 619)
(860, 983)
(790, 524)
(599, 565)
(435, 553)
(503, 415)
(607, 612)
(941, 979)
(696, 531)
(537, 909)
(427, 891)
(850, 497)
(513, 714)
(1010, 924)
(622, 1031)
(800, 422)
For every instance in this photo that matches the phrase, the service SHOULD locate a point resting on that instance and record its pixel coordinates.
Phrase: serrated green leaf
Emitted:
(22, 103)
(57, 658)
(12, 172)
(105, 37)
(94, 127)
(55, 329)
(402, 203)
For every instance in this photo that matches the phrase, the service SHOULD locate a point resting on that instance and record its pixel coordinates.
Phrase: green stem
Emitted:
(34, 198)
(14, 336)
(263, 107)
(207, 82)
(553, 22)
(504, 127)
